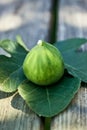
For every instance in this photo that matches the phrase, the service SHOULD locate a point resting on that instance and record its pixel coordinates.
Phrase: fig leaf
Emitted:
(49, 101)
(11, 73)
(75, 58)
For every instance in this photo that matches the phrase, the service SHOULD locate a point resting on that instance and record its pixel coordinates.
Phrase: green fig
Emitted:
(44, 64)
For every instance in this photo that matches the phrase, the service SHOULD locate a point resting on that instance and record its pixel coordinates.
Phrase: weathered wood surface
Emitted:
(30, 19)
(72, 23)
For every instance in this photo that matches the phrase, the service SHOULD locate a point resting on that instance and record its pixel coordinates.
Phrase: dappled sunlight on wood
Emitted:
(78, 16)
(10, 21)
(15, 117)
(5, 1)
(72, 19)
(19, 16)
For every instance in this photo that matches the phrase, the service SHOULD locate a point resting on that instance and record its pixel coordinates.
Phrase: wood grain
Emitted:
(30, 19)
(72, 16)
(16, 115)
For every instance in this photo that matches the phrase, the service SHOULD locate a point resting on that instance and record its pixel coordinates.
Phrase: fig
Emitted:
(44, 64)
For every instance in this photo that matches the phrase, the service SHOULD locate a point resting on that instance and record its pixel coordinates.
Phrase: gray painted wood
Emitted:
(72, 23)
(30, 19)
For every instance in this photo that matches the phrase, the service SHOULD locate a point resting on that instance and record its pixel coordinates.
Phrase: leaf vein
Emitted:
(48, 99)
(9, 76)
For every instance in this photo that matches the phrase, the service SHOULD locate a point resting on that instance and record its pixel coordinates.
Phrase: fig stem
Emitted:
(47, 123)
(40, 42)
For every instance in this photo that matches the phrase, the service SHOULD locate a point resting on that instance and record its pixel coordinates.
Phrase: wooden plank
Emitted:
(72, 23)
(30, 19)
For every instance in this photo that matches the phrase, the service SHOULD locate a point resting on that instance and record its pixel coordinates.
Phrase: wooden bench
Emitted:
(34, 20)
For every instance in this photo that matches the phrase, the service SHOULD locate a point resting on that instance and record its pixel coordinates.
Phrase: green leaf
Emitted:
(21, 42)
(11, 73)
(74, 58)
(49, 101)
